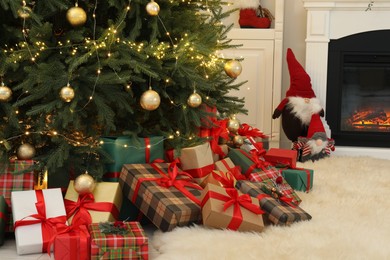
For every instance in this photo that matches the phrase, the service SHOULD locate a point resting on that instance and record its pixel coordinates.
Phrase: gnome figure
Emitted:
(300, 102)
(316, 145)
(252, 15)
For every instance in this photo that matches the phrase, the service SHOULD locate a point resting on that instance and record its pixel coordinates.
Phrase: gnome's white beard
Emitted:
(317, 146)
(303, 109)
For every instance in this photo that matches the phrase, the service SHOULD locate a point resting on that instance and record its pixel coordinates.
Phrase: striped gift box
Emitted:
(165, 207)
(12, 180)
(133, 245)
(273, 178)
(278, 212)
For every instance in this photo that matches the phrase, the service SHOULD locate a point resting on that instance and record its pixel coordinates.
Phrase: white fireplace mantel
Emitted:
(334, 19)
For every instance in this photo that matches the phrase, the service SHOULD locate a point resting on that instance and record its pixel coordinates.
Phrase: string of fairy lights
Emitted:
(76, 16)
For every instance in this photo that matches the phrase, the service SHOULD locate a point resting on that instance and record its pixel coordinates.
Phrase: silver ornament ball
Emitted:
(152, 8)
(25, 152)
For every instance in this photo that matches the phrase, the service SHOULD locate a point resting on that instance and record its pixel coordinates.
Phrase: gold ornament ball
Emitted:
(233, 125)
(67, 93)
(150, 100)
(84, 184)
(25, 152)
(5, 93)
(76, 16)
(238, 140)
(152, 8)
(194, 100)
(233, 68)
(24, 12)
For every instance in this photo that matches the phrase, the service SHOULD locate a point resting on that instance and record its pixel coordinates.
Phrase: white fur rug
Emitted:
(350, 206)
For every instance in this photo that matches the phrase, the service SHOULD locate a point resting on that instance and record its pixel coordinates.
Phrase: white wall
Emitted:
(294, 38)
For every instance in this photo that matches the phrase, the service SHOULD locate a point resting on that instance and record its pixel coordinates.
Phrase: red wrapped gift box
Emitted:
(73, 244)
(281, 157)
(9, 181)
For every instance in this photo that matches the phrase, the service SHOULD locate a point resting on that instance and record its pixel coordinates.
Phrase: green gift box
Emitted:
(248, 162)
(3, 218)
(299, 179)
(130, 149)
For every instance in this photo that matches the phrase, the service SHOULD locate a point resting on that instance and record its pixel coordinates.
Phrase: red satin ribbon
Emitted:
(307, 178)
(201, 172)
(247, 130)
(175, 178)
(236, 171)
(217, 131)
(147, 150)
(79, 209)
(284, 199)
(237, 201)
(83, 234)
(258, 163)
(225, 179)
(48, 225)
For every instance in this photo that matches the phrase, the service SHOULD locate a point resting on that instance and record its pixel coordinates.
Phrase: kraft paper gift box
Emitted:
(299, 179)
(281, 157)
(74, 244)
(103, 204)
(248, 161)
(130, 149)
(3, 218)
(278, 212)
(34, 206)
(197, 161)
(273, 178)
(166, 207)
(13, 180)
(243, 214)
(132, 245)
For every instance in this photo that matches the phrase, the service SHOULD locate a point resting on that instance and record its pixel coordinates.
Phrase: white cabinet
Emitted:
(262, 51)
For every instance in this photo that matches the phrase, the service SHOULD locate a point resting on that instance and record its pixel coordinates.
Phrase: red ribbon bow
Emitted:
(79, 209)
(218, 130)
(257, 162)
(248, 131)
(48, 225)
(237, 201)
(225, 179)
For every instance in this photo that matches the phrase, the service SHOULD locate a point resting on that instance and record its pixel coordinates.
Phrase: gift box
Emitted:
(299, 178)
(224, 148)
(3, 218)
(248, 161)
(278, 212)
(197, 161)
(167, 197)
(73, 244)
(273, 178)
(13, 180)
(102, 204)
(131, 245)
(228, 208)
(37, 215)
(281, 157)
(126, 149)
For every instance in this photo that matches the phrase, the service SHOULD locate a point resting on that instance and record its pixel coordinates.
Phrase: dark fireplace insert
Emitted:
(358, 89)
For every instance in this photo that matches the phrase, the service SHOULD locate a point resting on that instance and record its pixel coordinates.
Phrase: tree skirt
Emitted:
(350, 206)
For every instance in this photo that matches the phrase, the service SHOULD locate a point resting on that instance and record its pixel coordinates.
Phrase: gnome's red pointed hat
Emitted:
(300, 82)
(316, 128)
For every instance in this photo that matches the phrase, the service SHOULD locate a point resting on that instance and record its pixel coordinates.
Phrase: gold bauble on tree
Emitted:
(194, 100)
(233, 125)
(238, 140)
(24, 12)
(150, 100)
(84, 184)
(76, 16)
(5, 93)
(67, 93)
(233, 68)
(152, 8)
(25, 152)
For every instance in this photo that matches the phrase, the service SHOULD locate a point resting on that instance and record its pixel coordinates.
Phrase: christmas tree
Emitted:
(74, 71)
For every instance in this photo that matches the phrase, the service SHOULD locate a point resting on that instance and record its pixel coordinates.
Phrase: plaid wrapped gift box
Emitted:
(133, 245)
(3, 218)
(278, 212)
(166, 207)
(11, 181)
(248, 161)
(274, 178)
(299, 178)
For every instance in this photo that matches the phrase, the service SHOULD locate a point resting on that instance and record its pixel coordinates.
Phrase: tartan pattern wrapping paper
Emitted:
(133, 245)
(278, 213)
(269, 177)
(166, 208)
(9, 181)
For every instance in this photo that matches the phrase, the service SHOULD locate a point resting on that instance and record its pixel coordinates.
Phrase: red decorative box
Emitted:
(73, 245)
(281, 157)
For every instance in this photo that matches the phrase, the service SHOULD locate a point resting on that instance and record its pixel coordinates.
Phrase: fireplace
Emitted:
(329, 23)
(358, 87)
